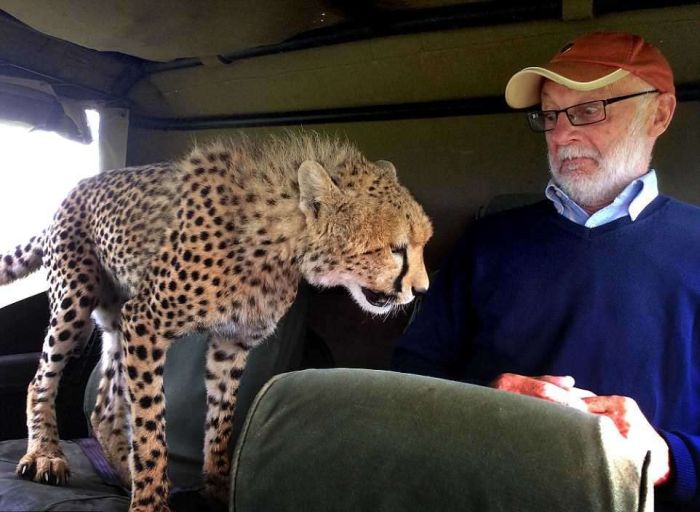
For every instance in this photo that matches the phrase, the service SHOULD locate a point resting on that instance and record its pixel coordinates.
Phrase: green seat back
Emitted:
(367, 440)
(185, 391)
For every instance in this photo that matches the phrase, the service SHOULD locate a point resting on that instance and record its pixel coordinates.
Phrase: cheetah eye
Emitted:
(398, 250)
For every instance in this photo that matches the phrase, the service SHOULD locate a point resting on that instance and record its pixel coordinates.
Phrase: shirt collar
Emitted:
(631, 201)
(648, 190)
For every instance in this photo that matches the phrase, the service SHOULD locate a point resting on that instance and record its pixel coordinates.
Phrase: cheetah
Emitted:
(217, 241)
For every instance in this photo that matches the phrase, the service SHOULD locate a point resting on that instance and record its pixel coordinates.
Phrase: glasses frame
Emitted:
(605, 103)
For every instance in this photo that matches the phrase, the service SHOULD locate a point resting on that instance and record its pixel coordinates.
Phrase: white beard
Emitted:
(627, 160)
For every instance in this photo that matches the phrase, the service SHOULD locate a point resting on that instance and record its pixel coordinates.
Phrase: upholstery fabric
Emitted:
(85, 492)
(186, 399)
(353, 440)
(186, 395)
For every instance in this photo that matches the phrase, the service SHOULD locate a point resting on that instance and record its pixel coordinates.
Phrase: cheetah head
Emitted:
(365, 233)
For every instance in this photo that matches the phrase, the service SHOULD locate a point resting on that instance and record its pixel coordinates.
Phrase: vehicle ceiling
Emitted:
(162, 30)
(103, 48)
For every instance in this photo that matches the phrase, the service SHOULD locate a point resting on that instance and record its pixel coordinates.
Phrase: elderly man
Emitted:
(600, 282)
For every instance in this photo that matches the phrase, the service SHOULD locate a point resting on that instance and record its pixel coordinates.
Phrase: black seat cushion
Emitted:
(185, 415)
(86, 490)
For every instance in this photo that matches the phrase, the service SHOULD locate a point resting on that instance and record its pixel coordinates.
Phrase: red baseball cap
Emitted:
(592, 61)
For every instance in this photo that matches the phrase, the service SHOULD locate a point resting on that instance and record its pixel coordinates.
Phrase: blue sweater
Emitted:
(617, 307)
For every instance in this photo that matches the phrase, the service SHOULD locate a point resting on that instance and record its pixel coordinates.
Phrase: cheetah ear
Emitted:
(387, 167)
(315, 186)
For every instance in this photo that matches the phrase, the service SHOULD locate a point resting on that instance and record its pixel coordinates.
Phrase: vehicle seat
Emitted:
(352, 440)
(94, 486)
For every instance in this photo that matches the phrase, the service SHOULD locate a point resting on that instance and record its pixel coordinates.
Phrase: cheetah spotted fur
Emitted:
(217, 241)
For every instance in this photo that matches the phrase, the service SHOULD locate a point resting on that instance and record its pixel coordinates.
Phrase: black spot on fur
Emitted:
(141, 352)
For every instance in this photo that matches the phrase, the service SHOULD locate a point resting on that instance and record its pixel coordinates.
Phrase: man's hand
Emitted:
(633, 425)
(623, 411)
(548, 387)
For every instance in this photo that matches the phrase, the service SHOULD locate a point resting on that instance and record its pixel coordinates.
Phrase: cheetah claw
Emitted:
(45, 469)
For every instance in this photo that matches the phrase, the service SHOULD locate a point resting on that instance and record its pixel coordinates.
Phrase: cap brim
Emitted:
(523, 89)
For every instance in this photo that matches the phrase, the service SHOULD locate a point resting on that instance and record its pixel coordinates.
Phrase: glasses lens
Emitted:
(586, 113)
(536, 120)
(542, 120)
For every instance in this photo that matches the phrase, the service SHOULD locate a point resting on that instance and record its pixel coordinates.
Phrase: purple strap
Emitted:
(93, 451)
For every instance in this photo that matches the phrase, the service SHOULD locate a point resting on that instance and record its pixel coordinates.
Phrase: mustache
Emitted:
(576, 151)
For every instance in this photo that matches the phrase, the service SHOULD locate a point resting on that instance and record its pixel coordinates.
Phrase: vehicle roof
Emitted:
(102, 49)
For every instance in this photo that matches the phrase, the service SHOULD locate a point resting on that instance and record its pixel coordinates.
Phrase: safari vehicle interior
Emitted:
(416, 82)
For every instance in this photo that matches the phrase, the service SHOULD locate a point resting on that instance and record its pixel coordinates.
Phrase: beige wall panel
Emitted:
(419, 67)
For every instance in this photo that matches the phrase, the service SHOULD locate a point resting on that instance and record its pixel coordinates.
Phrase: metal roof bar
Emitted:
(487, 105)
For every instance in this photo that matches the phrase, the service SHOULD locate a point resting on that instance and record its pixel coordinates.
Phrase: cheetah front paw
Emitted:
(44, 467)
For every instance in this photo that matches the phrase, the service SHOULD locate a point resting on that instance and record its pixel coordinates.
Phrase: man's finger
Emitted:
(520, 384)
(582, 393)
(562, 396)
(566, 381)
(538, 388)
(614, 407)
(602, 404)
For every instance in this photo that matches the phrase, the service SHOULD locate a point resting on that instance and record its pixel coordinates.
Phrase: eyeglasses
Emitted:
(579, 115)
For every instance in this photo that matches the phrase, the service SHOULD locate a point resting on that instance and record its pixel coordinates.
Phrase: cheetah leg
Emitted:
(44, 461)
(110, 418)
(226, 360)
(143, 353)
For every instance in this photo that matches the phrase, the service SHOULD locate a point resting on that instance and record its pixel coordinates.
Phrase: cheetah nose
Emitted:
(419, 292)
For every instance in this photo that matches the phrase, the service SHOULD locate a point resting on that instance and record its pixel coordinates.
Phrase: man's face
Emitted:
(593, 163)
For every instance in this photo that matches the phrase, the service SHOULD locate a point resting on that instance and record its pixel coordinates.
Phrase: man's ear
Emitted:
(661, 118)
(315, 186)
(387, 168)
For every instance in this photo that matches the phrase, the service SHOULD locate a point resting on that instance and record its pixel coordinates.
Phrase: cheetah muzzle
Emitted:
(216, 241)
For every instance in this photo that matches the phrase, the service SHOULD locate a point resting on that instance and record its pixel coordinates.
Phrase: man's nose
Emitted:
(563, 129)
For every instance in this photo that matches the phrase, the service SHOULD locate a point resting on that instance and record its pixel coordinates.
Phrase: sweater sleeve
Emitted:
(685, 460)
(434, 343)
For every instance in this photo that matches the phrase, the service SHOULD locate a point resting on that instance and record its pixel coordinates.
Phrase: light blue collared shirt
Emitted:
(632, 200)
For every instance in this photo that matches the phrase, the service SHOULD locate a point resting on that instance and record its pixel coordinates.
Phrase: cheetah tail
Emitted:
(24, 260)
